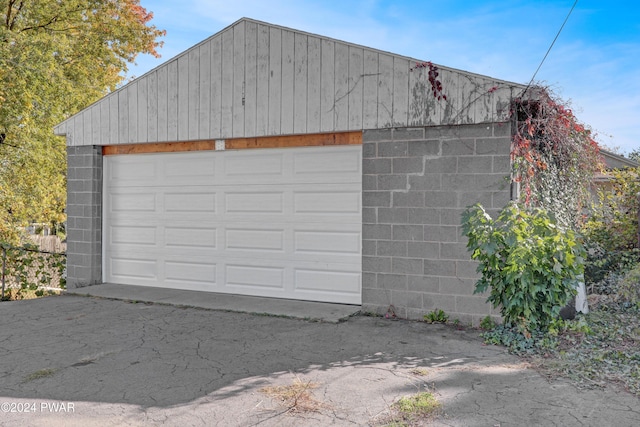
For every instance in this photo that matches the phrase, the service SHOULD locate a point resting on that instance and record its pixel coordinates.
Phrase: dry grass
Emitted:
(419, 372)
(42, 373)
(296, 397)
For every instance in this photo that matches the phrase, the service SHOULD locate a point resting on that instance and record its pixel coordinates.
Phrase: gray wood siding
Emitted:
(256, 79)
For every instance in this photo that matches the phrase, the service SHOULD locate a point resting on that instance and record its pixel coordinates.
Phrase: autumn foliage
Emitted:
(56, 58)
(554, 156)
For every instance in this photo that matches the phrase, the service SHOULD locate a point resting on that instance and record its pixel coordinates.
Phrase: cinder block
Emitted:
(475, 164)
(377, 135)
(393, 149)
(455, 251)
(457, 286)
(441, 199)
(369, 150)
(406, 232)
(376, 166)
(423, 215)
(370, 182)
(376, 264)
(472, 304)
(393, 215)
(502, 129)
(376, 297)
(408, 199)
(84, 175)
(392, 248)
(483, 130)
(437, 267)
(429, 250)
(441, 165)
(83, 223)
(408, 134)
(369, 215)
(474, 182)
(407, 265)
(406, 165)
(424, 148)
(467, 269)
(392, 281)
(426, 284)
(468, 199)
(486, 146)
(391, 182)
(369, 247)
(458, 147)
(434, 301)
(501, 164)
(376, 232)
(376, 198)
(406, 299)
(451, 216)
(426, 182)
(369, 280)
(499, 199)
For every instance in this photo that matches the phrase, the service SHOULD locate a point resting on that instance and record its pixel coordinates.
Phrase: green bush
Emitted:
(531, 265)
(629, 287)
(611, 228)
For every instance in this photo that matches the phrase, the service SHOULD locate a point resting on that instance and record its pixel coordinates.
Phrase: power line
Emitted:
(550, 47)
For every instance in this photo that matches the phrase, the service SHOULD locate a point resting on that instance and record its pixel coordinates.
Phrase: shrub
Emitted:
(531, 265)
(612, 226)
(629, 287)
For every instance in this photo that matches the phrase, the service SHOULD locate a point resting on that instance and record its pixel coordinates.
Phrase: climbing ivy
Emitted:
(554, 156)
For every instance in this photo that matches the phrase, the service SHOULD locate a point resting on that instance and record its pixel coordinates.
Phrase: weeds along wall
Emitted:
(416, 184)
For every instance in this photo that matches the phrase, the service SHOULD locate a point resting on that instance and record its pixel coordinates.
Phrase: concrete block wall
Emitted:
(84, 216)
(416, 184)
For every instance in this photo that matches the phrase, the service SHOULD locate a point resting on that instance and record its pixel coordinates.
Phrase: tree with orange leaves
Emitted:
(56, 57)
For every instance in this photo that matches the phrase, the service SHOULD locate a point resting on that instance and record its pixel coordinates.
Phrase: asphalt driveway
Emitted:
(74, 360)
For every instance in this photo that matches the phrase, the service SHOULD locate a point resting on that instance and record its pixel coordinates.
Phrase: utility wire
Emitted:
(550, 47)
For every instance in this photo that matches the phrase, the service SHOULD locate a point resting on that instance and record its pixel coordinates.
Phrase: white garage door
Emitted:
(268, 222)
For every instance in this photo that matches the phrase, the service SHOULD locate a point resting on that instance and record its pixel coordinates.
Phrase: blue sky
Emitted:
(594, 64)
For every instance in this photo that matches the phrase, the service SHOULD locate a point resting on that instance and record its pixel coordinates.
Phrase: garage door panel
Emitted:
(256, 202)
(133, 268)
(132, 202)
(242, 167)
(190, 202)
(327, 202)
(314, 242)
(188, 171)
(326, 164)
(133, 235)
(132, 170)
(254, 276)
(189, 272)
(252, 222)
(334, 281)
(255, 240)
(197, 238)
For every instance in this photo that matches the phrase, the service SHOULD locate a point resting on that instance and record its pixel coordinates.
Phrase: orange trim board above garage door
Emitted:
(313, 140)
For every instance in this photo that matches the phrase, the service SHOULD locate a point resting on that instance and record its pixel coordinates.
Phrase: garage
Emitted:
(281, 222)
(267, 161)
